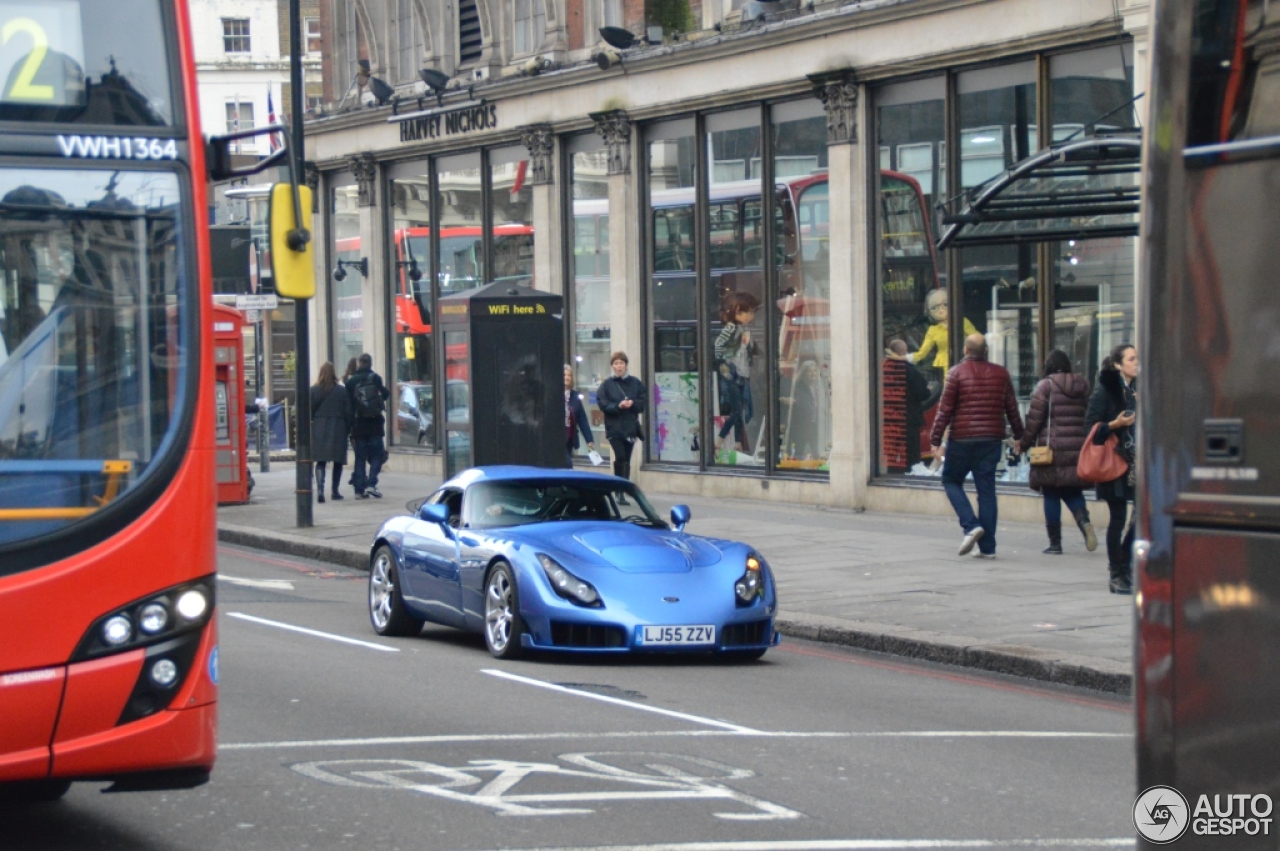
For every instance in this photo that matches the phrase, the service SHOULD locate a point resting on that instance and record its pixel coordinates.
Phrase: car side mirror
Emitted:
(434, 513)
(680, 515)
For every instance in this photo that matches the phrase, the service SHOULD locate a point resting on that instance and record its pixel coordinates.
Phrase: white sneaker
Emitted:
(984, 555)
(970, 539)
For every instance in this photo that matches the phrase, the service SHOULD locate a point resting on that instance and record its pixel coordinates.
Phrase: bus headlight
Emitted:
(192, 604)
(116, 631)
(164, 673)
(154, 618)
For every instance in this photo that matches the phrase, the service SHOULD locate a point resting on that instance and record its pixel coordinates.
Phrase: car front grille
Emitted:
(565, 634)
(745, 634)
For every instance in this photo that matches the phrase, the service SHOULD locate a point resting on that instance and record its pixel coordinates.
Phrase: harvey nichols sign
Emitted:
(453, 123)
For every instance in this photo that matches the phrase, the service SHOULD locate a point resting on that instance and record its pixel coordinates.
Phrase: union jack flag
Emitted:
(271, 119)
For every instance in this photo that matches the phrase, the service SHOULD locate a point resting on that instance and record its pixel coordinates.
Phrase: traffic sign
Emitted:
(252, 316)
(257, 302)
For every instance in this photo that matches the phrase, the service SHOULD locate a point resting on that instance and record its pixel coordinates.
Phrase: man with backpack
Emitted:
(368, 400)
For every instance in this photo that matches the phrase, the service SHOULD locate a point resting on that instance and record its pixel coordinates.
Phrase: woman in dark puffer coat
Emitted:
(1113, 406)
(1057, 419)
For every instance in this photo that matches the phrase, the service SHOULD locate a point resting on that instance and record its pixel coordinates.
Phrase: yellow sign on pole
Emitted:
(294, 271)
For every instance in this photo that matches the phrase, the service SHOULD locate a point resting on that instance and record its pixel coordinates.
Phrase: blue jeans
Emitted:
(1053, 499)
(370, 451)
(979, 457)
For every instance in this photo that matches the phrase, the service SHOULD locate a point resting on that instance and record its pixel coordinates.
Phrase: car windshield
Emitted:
(491, 505)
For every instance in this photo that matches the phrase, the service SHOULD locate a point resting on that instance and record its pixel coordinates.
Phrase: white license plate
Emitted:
(701, 634)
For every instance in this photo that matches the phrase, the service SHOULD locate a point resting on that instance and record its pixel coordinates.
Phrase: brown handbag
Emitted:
(1100, 462)
(1042, 456)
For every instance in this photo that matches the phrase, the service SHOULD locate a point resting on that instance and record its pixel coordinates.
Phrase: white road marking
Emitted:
(270, 584)
(591, 777)
(856, 845)
(314, 632)
(657, 734)
(696, 719)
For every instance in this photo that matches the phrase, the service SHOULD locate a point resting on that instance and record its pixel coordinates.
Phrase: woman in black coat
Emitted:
(1113, 407)
(575, 418)
(331, 419)
(1056, 420)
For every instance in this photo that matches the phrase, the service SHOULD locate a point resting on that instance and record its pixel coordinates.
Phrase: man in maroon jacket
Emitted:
(975, 402)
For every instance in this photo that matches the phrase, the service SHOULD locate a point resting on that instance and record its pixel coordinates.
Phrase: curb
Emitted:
(1102, 675)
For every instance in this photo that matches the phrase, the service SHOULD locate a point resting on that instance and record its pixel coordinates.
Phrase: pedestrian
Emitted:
(1113, 408)
(1056, 420)
(734, 353)
(621, 398)
(331, 421)
(575, 418)
(352, 366)
(368, 398)
(975, 402)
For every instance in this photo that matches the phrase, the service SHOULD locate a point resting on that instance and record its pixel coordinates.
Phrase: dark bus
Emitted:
(1207, 562)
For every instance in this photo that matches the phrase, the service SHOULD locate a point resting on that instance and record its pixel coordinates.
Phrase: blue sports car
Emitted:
(559, 560)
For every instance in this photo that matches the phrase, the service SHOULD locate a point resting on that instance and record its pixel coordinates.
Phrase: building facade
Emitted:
(469, 141)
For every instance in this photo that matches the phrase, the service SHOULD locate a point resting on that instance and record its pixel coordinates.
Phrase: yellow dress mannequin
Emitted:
(936, 339)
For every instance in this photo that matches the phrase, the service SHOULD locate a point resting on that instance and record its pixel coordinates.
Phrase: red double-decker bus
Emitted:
(108, 644)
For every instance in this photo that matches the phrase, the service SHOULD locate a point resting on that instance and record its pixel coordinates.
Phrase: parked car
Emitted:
(560, 560)
(415, 415)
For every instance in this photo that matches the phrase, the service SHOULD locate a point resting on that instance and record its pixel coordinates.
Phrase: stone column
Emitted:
(374, 318)
(851, 363)
(319, 315)
(547, 252)
(625, 284)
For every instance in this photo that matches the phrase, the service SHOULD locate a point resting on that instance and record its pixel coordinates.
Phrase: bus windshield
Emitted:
(85, 62)
(90, 354)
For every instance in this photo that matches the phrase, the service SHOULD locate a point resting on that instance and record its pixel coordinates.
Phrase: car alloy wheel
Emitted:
(502, 624)
(386, 604)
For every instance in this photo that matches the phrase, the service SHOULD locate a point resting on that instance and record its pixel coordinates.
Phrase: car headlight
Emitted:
(566, 584)
(750, 585)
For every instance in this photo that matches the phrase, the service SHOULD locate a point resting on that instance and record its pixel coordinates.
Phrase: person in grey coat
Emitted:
(331, 419)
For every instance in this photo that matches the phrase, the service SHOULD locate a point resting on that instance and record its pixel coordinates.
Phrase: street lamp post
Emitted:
(302, 330)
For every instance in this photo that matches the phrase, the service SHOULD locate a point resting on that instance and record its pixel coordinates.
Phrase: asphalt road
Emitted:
(336, 738)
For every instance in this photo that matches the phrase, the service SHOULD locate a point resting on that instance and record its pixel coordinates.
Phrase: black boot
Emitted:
(319, 483)
(1120, 583)
(1086, 529)
(337, 480)
(1055, 539)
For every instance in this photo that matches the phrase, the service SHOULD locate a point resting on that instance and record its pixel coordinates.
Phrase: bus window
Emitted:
(460, 267)
(725, 235)
(814, 214)
(903, 221)
(673, 239)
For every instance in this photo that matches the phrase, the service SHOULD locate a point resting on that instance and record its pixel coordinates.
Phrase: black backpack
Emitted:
(368, 400)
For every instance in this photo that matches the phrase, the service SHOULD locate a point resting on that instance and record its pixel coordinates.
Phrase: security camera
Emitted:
(536, 65)
(607, 58)
(339, 274)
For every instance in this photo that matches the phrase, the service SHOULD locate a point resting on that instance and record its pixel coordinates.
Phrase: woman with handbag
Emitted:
(1112, 409)
(1054, 433)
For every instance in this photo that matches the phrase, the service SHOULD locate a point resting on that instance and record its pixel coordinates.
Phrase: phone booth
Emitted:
(504, 376)
(229, 408)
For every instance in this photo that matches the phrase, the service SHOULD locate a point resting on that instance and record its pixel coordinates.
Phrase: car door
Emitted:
(432, 559)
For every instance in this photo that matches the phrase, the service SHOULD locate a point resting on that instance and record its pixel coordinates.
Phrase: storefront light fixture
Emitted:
(436, 81)
(361, 266)
(535, 65)
(414, 274)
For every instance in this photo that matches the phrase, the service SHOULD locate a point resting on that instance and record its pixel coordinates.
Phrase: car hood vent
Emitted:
(639, 551)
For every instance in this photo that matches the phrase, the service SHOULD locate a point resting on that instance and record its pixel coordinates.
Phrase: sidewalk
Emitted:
(884, 582)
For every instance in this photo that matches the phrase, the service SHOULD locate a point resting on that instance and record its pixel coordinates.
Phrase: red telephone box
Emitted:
(229, 432)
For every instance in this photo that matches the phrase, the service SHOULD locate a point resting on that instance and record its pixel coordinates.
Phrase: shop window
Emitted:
(592, 303)
(346, 308)
(460, 264)
(512, 203)
(674, 421)
(913, 305)
(413, 343)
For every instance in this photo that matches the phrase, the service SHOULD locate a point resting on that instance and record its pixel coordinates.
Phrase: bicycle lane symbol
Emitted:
(492, 783)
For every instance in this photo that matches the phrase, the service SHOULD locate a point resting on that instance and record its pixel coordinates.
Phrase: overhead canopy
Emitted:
(1076, 190)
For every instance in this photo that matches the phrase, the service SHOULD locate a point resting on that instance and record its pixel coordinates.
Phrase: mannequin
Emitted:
(937, 338)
